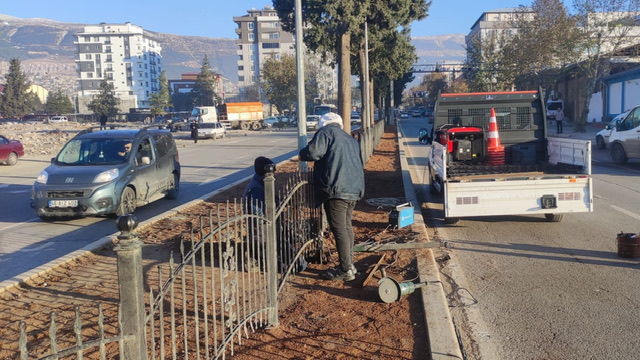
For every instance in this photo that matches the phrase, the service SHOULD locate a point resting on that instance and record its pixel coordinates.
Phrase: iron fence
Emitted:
(220, 286)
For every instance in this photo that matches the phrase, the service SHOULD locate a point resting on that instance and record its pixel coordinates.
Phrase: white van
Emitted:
(552, 108)
(602, 136)
(57, 119)
(625, 138)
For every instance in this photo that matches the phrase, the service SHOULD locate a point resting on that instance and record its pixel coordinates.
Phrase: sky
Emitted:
(214, 18)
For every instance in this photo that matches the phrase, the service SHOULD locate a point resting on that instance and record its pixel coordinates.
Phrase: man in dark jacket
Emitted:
(194, 131)
(103, 122)
(338, 178)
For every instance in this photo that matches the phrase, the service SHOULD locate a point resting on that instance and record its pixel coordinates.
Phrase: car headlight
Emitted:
(107, 176)
(43, 177)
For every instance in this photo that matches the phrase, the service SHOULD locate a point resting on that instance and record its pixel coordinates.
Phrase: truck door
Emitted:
(629, 132)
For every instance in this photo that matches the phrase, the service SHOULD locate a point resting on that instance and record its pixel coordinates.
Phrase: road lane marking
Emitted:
(626, 212)
(37, 248)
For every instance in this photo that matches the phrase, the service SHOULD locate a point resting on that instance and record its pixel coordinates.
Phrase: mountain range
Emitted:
(47, 51)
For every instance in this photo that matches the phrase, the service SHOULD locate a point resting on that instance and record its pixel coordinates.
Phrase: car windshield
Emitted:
(89, 151)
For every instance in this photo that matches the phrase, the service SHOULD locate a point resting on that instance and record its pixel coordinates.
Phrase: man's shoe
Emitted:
(336, 274)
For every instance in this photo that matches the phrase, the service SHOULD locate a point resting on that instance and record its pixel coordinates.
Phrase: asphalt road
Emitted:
(523, 288)
(26, 242)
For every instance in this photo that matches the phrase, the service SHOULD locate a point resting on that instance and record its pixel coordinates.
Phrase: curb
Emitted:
(44, 269)
(443, 342)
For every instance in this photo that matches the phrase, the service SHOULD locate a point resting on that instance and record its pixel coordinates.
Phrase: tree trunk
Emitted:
(344, 81)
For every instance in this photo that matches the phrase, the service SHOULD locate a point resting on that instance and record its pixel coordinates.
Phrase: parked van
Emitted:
(625, 138)
(552, 108)
(602, 137)
(57, 119)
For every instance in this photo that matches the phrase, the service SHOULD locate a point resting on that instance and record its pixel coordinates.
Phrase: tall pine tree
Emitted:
(204, 89)
(105, 102)
(161, 100)
(16, 100)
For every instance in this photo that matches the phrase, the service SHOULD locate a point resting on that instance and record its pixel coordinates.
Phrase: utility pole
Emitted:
(302, 113)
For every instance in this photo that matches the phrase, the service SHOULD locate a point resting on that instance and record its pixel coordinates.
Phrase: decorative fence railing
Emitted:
(221, 286)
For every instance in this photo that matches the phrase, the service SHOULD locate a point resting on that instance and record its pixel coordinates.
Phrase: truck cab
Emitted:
(204, 114)
(625, 138)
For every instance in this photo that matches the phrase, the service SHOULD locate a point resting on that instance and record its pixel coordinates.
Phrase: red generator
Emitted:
(463, 143)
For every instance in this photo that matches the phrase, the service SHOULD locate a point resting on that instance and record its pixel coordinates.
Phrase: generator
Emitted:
(463, 143)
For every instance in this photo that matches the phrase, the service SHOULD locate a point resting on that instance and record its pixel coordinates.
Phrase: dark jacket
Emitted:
(338, 171)
(254, 195)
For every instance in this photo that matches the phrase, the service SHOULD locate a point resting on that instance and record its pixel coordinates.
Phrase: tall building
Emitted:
(260, 37)
(496, 23)
(122, 54)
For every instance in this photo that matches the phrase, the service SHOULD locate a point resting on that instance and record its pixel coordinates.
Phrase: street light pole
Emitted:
(302, 114)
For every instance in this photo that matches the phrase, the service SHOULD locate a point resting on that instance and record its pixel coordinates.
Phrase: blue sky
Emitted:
(214, 18)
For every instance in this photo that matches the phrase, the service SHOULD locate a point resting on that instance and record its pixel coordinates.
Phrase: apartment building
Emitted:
(122, 54)
(260, 37)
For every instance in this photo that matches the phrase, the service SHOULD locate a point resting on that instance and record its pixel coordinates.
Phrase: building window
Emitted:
(240, 68)
(270, 45)
(90, 75)
(87, 47)
(251, 37)
(250, 25)
(239, 47)
(87, 38)
(240, 78)
(96, 38)
(87, 57)
(241, 57)
(274, 36)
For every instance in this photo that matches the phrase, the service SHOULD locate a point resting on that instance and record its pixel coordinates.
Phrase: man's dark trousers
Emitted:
(339, 216)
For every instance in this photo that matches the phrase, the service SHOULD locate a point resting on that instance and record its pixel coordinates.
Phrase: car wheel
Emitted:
(175, 188)
(600, 142)
(553, 217)
(618, 155)
(13, 159)
(127, 202)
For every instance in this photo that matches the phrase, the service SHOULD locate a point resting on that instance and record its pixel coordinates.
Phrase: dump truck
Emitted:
(528, 173)
(240, 115)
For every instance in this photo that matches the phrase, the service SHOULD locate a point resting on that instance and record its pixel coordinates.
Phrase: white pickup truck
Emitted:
(542, 175)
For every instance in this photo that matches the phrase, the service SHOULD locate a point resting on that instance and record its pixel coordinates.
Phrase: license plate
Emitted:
(63, 203)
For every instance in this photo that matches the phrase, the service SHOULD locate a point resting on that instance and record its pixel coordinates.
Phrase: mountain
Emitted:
(47, 52)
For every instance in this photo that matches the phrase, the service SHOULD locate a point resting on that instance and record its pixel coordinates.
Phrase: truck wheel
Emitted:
(451, 220)
(618, 155)
(244, 126)
(553, 217)
(600, 142)
(255, 126)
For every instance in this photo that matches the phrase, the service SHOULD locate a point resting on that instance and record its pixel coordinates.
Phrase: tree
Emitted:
(161, 100)
(279, 82)
(16, 100)
(58, 103)
(203, 90)
(105, 103)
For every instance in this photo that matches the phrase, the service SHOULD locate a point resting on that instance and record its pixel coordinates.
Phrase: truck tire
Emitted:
(451, 220)
(244, 126)
(618, 155)
(256, 126)
(553, 217)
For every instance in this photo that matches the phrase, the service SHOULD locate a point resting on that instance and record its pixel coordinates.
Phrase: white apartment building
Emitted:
(260, 37)
(495, 23)
(122, 54)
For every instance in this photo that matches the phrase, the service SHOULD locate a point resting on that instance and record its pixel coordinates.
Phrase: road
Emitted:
(27, 242)
(522, 288)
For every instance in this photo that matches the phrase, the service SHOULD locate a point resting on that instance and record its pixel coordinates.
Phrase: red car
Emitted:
(10, 150)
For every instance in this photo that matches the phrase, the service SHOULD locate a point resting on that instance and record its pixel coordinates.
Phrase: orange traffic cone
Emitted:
(495, 151)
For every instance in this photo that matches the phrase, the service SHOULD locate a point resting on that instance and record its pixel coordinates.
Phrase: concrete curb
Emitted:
(53, 264)
(440, 329)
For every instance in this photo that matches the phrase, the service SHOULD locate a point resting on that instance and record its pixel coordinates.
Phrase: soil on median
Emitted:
(318, 319)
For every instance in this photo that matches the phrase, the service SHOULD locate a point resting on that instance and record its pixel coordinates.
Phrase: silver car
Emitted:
(108, 172)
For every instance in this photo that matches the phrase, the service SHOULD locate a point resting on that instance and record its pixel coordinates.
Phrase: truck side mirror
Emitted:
(423, 136)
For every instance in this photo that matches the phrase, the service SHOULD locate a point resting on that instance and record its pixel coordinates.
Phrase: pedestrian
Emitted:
(338, 179)
(559, 118)
(103, 122)
(194, 131)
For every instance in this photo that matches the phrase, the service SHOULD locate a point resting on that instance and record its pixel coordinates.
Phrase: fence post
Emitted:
(130, 283)
(272, 257)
